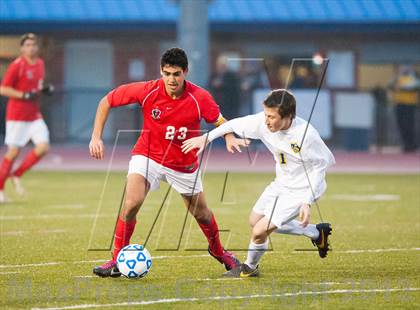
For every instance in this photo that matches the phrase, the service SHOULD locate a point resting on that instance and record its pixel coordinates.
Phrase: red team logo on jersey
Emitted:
(156, 113)
(29, 75)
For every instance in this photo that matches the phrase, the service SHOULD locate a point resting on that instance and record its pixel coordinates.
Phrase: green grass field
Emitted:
(45, 262)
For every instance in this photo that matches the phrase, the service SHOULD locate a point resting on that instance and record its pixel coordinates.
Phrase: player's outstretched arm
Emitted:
(229, 127)
(232, 143)
(96, 145)
(199, 143)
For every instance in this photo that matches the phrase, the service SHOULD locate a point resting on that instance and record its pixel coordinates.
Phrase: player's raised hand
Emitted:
(233, 143)
(96, 148)
(194, 143)
(305, 214)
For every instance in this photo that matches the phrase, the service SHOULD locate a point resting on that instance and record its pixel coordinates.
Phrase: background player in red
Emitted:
(172, 110)
(23, 83)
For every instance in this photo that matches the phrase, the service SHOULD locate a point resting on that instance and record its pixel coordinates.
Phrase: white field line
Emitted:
(378, 250)
(205, 279)
(52, 263)
(180, 256)
(12, 233)
(10, 272)
(67, 207)
(32, 265)
(217, 279)
(50, 216)
(193, 299)
(332, 283)
(24, 232)
(96, 261)
(52, 231)
(225, 279)
(362, 251)
(377, 197)
(198, 256)
(348, 197)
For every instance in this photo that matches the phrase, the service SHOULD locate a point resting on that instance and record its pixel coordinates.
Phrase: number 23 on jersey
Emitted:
(172, 133)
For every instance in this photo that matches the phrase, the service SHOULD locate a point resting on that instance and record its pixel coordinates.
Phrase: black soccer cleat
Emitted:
(109, 269)
(227, 259)
(242, 271)
(322, 242)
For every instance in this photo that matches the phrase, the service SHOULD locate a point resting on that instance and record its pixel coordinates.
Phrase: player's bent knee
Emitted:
(42, 149)
(12, 153)
(259, 235)
(131, 203)
(254, 218)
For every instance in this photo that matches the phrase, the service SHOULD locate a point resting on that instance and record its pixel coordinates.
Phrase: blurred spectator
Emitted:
(254, 77)
(281, 79)
(300, 77)
(303, 77)
(381, 101)
(405, 94)
(225, 87)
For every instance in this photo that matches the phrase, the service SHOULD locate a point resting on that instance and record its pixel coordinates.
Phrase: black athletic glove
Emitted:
(48, 89)
(30, 95)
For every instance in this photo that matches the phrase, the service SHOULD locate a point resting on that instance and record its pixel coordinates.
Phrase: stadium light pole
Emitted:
(193, 37)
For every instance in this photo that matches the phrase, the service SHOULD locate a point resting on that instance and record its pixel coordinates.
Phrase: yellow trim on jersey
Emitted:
(220, 121)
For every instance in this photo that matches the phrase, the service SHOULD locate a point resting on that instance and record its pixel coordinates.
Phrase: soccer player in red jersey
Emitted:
(23, 83)
(172, 109)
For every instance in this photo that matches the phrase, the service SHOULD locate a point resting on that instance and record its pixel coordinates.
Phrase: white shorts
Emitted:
(278, 204)
(19, 133)
(184, 183)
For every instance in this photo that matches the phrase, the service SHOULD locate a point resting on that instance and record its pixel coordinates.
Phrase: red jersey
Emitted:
(26, 77)
(167, 122)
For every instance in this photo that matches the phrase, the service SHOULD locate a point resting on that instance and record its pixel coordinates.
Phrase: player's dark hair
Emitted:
(174, 57)
(28, 36)
(283, 100)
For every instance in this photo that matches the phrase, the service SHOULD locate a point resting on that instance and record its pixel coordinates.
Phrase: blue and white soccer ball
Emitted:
(134, 261)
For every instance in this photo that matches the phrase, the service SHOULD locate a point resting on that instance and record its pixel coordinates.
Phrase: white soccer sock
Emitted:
(255, 252)
(294, 228)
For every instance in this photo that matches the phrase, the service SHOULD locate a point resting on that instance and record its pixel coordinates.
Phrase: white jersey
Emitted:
(291, 158)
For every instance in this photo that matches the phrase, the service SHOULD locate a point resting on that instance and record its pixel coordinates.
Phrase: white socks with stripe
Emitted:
(255, 252)
(294, 228)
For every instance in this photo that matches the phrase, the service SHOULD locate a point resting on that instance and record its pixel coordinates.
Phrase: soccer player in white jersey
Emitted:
(300, 175)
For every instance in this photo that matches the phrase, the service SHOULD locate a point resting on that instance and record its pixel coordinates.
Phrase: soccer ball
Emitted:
(134, 261)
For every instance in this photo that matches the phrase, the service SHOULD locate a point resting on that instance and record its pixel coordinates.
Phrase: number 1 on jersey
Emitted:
(282, 159)
(170, 133)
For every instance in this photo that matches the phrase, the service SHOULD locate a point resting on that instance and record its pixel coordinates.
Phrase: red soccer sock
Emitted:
(123, 233)
(5, 168)
(211, 231)
(30, 160)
